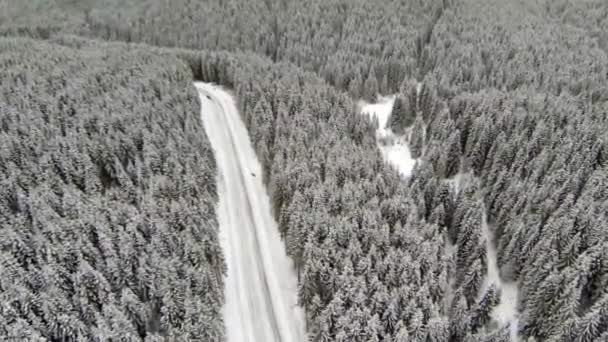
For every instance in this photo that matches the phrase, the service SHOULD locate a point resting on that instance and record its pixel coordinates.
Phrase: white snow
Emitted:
(394, 148)
(382, 110)
(505, 313)
(261, 285)
(456, 181)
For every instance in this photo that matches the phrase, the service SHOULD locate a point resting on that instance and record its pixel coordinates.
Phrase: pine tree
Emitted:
(370, 87)
(402, 116)
(460, 321)
(354, 86)
(593, 324)
(451, 162)
(472, 280)
(417, 139)
(481, 316)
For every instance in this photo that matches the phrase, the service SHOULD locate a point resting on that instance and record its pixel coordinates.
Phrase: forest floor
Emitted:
(261, 284)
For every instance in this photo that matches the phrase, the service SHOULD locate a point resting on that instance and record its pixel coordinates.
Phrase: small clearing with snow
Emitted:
(394, 148)
(505, 313)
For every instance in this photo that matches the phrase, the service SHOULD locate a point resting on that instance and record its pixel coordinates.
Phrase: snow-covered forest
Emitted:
(108, 226)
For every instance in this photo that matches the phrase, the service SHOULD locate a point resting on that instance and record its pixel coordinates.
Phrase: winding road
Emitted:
(261, 285)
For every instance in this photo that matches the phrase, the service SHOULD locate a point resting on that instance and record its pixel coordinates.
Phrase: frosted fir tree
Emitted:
(402, 115)
(355, 84)
(370, 87)
(482, 310)
(417, 138)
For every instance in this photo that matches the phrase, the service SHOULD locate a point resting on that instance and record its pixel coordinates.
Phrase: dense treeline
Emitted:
(513, 93)
(590, 15)
(370, 269)
(366, 274)
(348, 43)
(520, 102)
(518, 51)
(107, 222)
(371, 260)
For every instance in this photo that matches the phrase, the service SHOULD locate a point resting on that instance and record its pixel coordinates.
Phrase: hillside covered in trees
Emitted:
(107, 223)
(108, 227)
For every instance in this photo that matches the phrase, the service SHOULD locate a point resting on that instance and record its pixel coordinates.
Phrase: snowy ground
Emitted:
(394, 148)
(456, 181)
(261, 285)
(505, 313)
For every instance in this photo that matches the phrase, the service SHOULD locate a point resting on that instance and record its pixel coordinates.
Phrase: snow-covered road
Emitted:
(261, 285)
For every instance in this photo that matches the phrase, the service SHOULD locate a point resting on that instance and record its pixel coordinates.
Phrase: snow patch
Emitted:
(456, 181)
(381, 110)
(505, 313)
(393, 147)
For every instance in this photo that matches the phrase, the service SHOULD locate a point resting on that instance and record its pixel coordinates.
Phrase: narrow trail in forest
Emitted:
(261, 284)
(505, 313)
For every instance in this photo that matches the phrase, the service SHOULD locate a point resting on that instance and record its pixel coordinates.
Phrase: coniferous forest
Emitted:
(108, 229)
